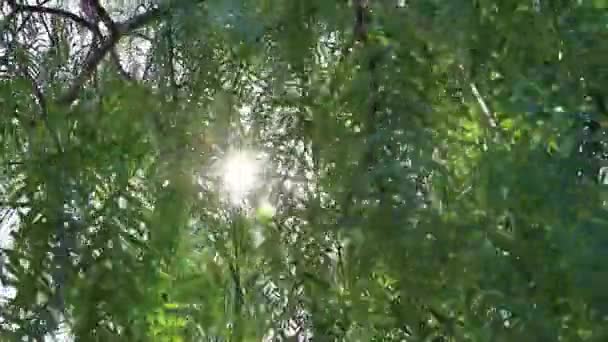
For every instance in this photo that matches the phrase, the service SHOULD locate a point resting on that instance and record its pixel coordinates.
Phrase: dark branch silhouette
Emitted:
(122, 28)
(57, 12)
(117, 31)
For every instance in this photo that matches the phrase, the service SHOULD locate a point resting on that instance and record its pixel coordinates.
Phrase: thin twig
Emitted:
(484, 106)
(39, 96)
(42, 104)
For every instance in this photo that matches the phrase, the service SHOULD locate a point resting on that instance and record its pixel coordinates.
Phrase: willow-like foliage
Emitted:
(417, 170)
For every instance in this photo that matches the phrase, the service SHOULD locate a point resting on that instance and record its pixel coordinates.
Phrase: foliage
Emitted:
(430, 170)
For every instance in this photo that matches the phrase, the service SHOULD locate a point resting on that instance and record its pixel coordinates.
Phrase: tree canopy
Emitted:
(304, 170)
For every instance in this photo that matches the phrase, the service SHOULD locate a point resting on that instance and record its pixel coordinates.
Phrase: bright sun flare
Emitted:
(240, 174)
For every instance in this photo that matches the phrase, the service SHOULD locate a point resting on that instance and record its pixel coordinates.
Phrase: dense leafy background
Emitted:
(433, 169)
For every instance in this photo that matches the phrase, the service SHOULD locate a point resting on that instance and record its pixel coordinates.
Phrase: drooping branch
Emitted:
(39, 96)
(140, 20)
(122, 28)
(361, 35)
(362, 18)
(57, 12)
(117, 31)
(90, 64)
(100, 13)
(42, 103)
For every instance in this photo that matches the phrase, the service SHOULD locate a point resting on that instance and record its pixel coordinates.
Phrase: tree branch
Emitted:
(91, 63)
(13, 204)
(117, 31)
(58, 12)
(104, 16)
(140, 20)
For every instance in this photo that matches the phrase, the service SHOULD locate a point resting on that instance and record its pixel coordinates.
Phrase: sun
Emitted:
(240, 174)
